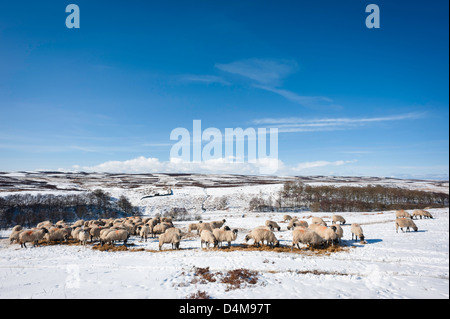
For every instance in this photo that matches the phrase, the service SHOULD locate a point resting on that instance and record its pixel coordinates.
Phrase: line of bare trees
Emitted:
(296, 195)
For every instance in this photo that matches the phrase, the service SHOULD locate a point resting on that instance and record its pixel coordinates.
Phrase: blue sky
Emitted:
(347, 100)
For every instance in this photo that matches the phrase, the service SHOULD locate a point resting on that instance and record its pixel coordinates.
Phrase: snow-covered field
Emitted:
(389, 265)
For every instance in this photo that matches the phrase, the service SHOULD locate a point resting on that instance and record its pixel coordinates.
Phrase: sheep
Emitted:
(174, 230)
(78, 223)
(225, 235)
(305, 236)
(405, 222)
(260, 234)
(31, 236)
(170, 238)
(421, 213)
(338, 218)
(84, 235)
(193, 226)
(75, 232)
(207, 238)
(291, 223)
(327, 233)
(402, 214)
(272, 225)
(57, 234)
(46, 224)
(115, 235)
(144, 231)
(318, 220)
(302, 223)
(159, 228)
(14, 236)
(287, 218)
(203, 226)
(217, 224)
(357, 232)
(339, 232)
(95, 232)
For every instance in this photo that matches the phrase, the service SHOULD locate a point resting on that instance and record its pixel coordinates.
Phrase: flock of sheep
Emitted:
(109, 231)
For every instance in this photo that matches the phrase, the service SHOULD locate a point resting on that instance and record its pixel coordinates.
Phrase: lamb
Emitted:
(207, 238)
(31, 236)
(402, 214)
(115, 235)
(305, 236)
(57, 234)
(405, 222)
(272, 225)
(260, 234)
(170, 238)
(217, 224)
(338, 218)
(225, 235)
(318, 220)
(357, 232)
(327, 233)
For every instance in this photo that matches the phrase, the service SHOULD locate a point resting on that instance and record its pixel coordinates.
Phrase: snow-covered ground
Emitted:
(390, 265)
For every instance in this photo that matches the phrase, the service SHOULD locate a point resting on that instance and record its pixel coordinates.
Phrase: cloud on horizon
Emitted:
(215, 166)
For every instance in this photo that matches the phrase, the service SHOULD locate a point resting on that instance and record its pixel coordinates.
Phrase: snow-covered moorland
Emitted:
(388, 265)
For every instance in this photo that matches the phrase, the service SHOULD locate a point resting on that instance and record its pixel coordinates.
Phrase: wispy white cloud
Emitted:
(203, 78)
(264, 71)
(293, 124)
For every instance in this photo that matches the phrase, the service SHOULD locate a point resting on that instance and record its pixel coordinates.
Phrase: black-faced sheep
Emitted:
(272, 225)
(357, 231)
(306, 236)
(327, 233)
(225, 235)
(405, 223)
(170, 238)
(207, 238)
(115, 235)
(318, 220)
(338, 218)
(260, 234)
(32, 236)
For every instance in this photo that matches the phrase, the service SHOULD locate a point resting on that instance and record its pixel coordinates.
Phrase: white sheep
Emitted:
(260, 234)
(203, 226)
(287, 218)
(32, 236)
(318, 220)
(225, 235)
(160, 228)
(327, 233)
(402, 214)
(305, 236)
(338, 218)
(217, 224)
(14, 236)
(421, 213)
(405, 223)
(291, 223)
(170, 238)
(57, 234)
(339, 232)
(272, 225)
(115, 235)
(357, 231)
(84, 235)
(207, 238)
(144, 231)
